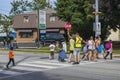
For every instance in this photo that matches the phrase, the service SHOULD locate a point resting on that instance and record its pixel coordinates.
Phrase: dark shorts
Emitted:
(92, 50)
(51, 53)
(71, 51)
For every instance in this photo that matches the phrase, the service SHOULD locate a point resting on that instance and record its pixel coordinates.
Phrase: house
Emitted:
(114, 36)
(26, 25)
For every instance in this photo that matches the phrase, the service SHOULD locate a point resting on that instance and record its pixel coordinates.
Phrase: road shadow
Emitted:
(44, 57)
(32, 76)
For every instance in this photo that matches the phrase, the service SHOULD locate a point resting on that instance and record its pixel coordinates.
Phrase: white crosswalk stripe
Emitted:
(41, 65)
(34, 66)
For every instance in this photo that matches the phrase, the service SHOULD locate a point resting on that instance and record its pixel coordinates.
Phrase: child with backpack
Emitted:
(101, 49)
(62, 54)
(11, 57)
(108, 47)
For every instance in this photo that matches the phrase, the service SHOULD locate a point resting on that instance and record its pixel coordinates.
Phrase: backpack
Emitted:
(108, 45)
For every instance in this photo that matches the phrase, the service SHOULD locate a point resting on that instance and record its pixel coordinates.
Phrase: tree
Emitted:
(111, 13)
(77, 12)
(20, 6)
(39, 4)
(6, 22)
(24, 5)
(110, 16)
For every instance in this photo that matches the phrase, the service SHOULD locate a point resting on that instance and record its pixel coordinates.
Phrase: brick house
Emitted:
(26, 25)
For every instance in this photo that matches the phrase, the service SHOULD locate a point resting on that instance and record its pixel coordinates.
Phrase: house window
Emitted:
(26, 34)
(52, 18)
(26, 19)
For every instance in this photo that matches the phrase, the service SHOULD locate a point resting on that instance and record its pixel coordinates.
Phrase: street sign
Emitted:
(97, 27)
(42, 19)
(68, 26)
(43, 31)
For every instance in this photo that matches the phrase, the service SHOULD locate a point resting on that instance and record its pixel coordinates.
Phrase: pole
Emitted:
(38, 29)
(96, 18)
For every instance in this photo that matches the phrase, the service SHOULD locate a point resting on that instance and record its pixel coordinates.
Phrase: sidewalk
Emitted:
(116, 55)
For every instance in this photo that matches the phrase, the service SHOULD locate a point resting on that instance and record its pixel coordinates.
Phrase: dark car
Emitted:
(54, 36)
(51, 37)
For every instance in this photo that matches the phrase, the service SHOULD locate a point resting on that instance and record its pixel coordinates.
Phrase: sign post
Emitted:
(97, 24)
(42, 24)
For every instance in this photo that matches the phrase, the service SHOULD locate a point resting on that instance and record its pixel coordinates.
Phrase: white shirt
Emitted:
(64, 46)
(52, 47)
(91, 46)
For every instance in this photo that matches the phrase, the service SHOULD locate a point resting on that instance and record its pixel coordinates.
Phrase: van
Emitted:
(47, 38)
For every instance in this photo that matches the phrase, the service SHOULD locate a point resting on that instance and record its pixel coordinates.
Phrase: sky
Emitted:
(5, 6)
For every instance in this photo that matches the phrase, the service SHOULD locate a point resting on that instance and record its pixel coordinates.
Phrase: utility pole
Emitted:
(97, 25)
(38, 42)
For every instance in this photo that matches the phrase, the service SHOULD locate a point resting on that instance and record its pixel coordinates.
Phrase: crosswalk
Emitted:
(40, 65)
(33, 66)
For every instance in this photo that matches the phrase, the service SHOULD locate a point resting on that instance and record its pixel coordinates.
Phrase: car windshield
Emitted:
(54, 36)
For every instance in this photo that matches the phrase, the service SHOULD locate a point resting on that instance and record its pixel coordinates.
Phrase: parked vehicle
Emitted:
(45, 39)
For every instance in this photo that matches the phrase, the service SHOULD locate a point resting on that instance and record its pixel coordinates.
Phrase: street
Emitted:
(39, 67)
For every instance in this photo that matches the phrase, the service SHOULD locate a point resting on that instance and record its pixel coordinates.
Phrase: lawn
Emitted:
(46, 50)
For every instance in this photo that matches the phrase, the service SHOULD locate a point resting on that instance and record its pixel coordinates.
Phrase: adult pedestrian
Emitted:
(71, 43)
(91, 49)
(97, 45)
(77, 49)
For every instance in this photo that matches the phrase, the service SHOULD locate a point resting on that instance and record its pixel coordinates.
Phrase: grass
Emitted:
(46, 50)
(117, 51)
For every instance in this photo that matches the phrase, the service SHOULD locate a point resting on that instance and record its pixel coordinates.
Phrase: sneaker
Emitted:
(105, 58)
(63, 60)
(75, 63)
(7, 67)
(69, 61)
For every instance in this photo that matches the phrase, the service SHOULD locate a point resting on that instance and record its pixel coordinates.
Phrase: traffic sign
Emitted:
(68, 26)
(42, 19)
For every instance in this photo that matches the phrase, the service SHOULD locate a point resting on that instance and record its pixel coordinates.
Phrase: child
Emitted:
(100, 49)
(62, 54)
(85, 50)
(52, 48)
(11, 57)
(109, 48)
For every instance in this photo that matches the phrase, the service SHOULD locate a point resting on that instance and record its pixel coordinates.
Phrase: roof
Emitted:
(48, 10)
(33, 22)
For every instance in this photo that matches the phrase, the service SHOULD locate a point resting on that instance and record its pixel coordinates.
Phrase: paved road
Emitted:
(39, 67)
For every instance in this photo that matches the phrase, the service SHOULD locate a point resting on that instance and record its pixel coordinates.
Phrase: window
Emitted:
(26, 19)
(26, 34)
(52, 18)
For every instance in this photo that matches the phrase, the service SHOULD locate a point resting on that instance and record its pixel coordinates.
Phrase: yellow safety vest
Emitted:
(78, 42)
